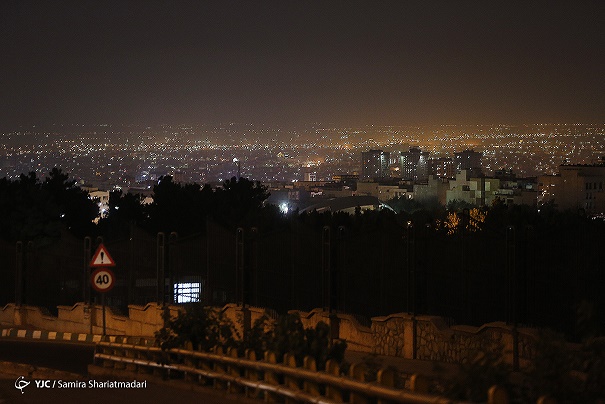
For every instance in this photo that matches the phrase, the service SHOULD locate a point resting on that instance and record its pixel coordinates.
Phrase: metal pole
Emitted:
(423, 273)
(294, 261)
(512, 292)
(86, 293)
(207, 291)
(19, 274)
(411, 276)
(510, 276)
(341, 287)
(103, 305)
(465, 266)
(28, 270)
(294, 258)
(382, 285)
(172, 267)
(131, 270)
(100, 241)
(160, 268)
(326, 270)
(239, 266)
(530, 265)
(254, 266)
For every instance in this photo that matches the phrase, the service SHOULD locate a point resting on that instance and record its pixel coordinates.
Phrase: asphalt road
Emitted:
(69, 357)
(153, 393)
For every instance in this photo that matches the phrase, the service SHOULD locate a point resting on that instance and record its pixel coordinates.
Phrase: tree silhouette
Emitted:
(238, 201)
(124, 210)
(72, 204)
(35, 211)
(176, 207)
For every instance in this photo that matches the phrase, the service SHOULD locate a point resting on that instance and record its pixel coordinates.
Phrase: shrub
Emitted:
(203, 327)
(206, 327)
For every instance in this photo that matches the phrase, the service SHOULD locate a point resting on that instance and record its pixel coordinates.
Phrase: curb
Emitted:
(73, 337)
(50, 335)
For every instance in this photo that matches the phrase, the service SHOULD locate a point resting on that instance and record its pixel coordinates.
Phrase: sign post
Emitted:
(102, 278)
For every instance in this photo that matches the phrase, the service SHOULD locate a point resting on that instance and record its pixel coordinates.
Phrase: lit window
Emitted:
(187, 292)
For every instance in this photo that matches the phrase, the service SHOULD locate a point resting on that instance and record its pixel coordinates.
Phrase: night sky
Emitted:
(296, 62)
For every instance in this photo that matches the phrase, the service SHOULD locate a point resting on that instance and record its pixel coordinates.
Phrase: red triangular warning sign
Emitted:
(102, 258)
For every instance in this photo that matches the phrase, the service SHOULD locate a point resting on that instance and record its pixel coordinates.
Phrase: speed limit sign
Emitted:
(103, 279)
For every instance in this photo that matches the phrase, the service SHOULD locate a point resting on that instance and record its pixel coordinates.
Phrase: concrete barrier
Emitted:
(142, 321)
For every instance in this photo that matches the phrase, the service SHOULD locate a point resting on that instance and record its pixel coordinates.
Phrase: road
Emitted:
(74, 358)
(65, 356)
(153, 393)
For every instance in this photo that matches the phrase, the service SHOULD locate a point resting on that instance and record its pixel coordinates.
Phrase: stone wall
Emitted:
(7, 314)
(242, 317)
(401, 335)
(390, 335)
(346, 327)
(425, 337)
(144, 321)
(457, 344)
(430, 338)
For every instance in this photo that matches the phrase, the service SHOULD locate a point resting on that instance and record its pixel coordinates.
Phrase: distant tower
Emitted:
(374, 164)
(309, 174)
(414, 165)
(468, 160)
(442, 167)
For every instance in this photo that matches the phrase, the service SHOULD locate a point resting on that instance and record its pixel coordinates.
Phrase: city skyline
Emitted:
(342, 63)
(123, 156)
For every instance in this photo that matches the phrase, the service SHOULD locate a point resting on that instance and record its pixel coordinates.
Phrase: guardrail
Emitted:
(272, 381)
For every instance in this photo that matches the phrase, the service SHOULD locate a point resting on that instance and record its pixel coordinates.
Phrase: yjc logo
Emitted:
(44, 384)
(21, 383)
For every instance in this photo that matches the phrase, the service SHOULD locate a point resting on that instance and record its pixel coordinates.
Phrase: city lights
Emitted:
(122, 158)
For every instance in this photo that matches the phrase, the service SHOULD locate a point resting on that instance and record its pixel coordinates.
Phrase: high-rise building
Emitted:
(374, 164)
(414, 165)
(442, 167)
(469, 160)
(310, 174)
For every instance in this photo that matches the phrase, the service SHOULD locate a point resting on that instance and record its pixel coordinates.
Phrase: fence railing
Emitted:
(271, 380)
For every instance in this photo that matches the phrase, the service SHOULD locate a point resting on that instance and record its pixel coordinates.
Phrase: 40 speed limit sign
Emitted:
(103, 279)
